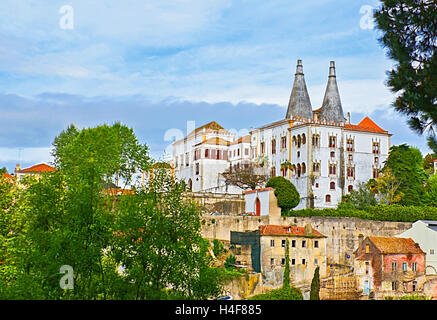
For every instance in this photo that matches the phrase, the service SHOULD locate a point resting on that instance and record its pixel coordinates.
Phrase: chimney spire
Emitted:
(331, 106)
(299, 104)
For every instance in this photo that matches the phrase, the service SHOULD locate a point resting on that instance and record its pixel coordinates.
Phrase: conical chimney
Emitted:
(331, 106)
(299, 104)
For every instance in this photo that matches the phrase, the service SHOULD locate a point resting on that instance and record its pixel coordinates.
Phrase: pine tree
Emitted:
(315, 286)
(408, 32)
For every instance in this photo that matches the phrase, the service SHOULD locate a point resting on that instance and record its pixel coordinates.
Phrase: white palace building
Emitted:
(319, 151)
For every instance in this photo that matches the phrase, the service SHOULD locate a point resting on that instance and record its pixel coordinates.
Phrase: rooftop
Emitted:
(38, 168)
(396, 245)
(276, 230)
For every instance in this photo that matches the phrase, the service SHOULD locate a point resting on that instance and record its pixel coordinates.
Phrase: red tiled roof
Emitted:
(38, 168)
(262, 189)
(245, 139)
(217, 142)
(396, 245)
(366, 125)
(276, 230)
(7, 176)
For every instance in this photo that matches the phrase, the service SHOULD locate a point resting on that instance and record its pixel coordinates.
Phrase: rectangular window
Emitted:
(431, 251)
(197, 168)
(332, 142)
(293, 262)
(283, 261)
(316, 244)
(404, 266)
(283, 243)
(414, 266)
(293, 243)
(246, 151)
(262, 148)
(394, 266)
(394, 286)
(272, 261)
(316, 262)
(206, 153)
(304, 244)
(272, 243)
(273, 146)
(304, 261)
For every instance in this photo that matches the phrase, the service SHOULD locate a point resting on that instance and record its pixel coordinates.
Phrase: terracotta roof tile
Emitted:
(7, 176)
(366, 125)
(245, 139)
(216, 141)
(260, 190)
(396, 245)
(277, 230)
(38, 168)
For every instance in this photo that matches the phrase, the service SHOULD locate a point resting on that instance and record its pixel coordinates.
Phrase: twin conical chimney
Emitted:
(299, 104)
(331, 107)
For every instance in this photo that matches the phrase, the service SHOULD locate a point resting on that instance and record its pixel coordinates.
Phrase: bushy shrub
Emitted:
(218, 247)
(285, 192)
(381, 212)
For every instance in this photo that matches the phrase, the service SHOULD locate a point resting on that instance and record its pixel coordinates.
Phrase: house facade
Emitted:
(424, 232)
(389, 266)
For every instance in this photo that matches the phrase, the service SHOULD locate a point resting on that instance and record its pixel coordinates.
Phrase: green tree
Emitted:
(285, 191)
(406, 164)
(361, 198)
(159, 243)
(428, 163)
(286, 281)
(431, 192)
(315, 286)
(387, 186)
(409, 31)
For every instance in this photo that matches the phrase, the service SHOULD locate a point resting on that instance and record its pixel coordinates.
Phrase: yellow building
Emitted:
(307, 251)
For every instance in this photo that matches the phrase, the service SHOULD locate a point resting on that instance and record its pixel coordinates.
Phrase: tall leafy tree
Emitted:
(159, 243)
(315, 285)
(406, 164)
(409, 31)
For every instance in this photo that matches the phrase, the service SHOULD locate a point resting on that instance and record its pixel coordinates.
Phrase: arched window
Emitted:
(273, 172)
(298, 170)
(190, 185)
(304, 168)
(328, 198)
(350, 188)
(332, 186)
(299, 141)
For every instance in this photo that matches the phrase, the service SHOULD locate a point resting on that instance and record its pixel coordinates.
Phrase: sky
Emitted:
(159, 65)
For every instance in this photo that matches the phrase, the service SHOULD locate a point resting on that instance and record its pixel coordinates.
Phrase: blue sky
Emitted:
(154, 65)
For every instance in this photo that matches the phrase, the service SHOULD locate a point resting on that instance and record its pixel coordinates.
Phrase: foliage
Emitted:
(315, 285)
(428, 163)
(406, 164)
(65, 218)
(218, 247)
(431, 192)
(409, 31)
(387, 186)
(246, 176)
(230, 261)
(286, 193)
(360, 199)
(159, 242)
(380, 212)
(286, 277)
(283, 293)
